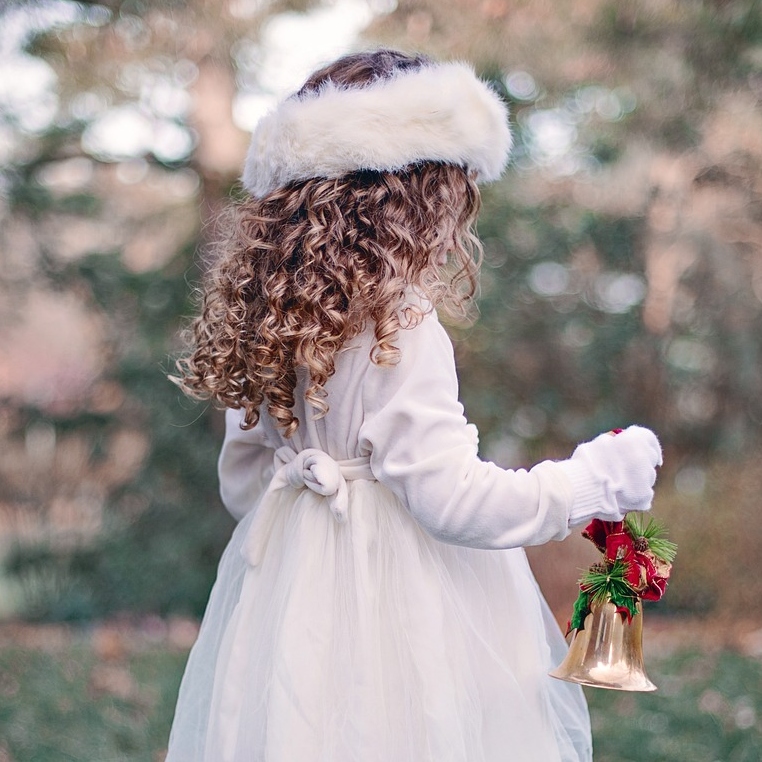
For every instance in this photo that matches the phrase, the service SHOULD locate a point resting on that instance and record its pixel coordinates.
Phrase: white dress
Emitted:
(375, 603)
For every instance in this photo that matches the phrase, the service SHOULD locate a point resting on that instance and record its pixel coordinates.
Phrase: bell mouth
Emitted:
(607, 652)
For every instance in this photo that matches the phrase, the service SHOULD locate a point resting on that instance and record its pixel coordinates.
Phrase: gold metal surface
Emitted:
(607, 652)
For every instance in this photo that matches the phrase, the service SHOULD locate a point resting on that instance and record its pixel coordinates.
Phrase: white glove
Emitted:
(613, 474)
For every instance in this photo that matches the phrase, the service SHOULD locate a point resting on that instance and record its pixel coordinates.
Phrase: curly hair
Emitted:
(308, 267)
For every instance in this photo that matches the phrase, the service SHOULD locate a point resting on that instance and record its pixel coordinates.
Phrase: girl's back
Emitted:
(356, 616)
(352, 633)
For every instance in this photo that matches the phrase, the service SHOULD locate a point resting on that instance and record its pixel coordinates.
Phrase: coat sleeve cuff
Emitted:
(587, 497)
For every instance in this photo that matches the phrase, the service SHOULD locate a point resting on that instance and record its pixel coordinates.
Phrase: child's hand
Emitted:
(614, 474)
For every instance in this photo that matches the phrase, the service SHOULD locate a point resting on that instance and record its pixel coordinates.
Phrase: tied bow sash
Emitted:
(312, 469)
(318, 472)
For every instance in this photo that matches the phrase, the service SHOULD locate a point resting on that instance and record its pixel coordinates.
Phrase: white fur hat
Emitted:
(440, 112)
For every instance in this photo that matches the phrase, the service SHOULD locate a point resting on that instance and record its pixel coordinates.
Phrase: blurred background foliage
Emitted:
(622, 281)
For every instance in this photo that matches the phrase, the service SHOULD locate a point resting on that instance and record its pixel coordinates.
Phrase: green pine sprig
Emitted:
(606, 581)
(600, 584)
(653, 532)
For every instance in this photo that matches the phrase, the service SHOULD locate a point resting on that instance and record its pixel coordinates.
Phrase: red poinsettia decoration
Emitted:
(636, 565)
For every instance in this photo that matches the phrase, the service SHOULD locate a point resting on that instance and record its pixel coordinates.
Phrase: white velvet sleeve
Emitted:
(245, 465)
(421, 447)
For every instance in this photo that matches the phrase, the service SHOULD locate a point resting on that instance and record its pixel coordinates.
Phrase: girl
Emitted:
(375, 603)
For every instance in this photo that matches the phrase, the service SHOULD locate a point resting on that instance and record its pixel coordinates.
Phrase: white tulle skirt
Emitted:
(369, 641)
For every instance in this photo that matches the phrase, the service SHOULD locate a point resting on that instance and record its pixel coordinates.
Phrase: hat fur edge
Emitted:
(442, 112)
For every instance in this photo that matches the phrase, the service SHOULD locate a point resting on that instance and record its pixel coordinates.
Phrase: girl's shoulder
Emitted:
(415, 302)
(419, 325)
(426, 360)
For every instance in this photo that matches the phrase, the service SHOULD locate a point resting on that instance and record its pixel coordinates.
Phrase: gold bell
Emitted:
(607, 652)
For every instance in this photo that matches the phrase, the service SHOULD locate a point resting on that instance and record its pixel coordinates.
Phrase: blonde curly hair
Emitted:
(309, 266)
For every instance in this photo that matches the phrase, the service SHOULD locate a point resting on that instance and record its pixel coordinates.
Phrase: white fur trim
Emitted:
(442, 112)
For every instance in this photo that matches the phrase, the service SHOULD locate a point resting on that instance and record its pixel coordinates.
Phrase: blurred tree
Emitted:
(100, 203)
(624, 266)
(623, 276)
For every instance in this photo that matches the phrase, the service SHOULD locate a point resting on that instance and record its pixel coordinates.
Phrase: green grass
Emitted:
(69, 707)
(64, 704)
(708, 709)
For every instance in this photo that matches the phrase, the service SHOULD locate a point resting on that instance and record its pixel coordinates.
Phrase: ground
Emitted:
(106, 692)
